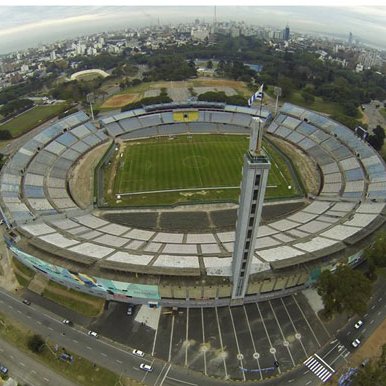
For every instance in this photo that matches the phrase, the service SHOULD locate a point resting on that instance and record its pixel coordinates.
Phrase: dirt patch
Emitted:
(120, 100)
(81, 180)
(306, 166)
(210, 82)
(38, 283)
(364, 119)
(172, 84)
(371, 349)
(8, 279)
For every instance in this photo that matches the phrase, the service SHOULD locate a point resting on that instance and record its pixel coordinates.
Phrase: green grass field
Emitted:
(319, 104)
(32, 118)
(194, 168)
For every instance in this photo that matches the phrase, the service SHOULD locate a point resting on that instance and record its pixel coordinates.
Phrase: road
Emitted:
(373, 116)
(26, 370)
(119, 358)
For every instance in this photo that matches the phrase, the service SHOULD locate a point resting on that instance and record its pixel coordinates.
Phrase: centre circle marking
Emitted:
(196, 162)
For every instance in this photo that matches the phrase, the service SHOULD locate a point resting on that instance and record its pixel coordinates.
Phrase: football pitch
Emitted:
(187, 168)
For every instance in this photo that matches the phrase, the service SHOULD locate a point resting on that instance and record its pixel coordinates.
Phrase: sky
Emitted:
(30, 23)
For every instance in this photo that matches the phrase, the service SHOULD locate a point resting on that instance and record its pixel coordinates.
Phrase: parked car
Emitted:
(145, 367)
(66, 321)
(93, 333)
(130, 309)
(355, 343)
(3, 370)
(358, 324)
(26, 301)
(138, 353)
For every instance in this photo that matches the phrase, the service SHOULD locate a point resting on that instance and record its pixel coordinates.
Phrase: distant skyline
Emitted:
(28, 26)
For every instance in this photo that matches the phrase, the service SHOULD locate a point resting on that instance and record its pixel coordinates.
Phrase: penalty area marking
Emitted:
(177, 190)
(183, 190)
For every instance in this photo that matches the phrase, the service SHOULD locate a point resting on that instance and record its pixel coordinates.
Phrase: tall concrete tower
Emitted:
(255, 177)
(286, 33)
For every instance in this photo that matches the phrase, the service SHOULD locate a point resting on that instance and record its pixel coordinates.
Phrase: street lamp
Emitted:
(277, 92)
(91, 99)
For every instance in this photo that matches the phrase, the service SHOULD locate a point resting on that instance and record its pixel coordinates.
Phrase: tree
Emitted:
(346, 290)
(163, 98)
(374, 373)
(377, 139)
(308, 98)
(376, 253)
(5, 135)
(209, 65)
(369, 375)
(16, 106)
(220, 96)
(35, 343)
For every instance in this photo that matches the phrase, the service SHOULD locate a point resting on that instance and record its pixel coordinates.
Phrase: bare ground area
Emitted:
(81, 181)
(120, 100)
(306, 166)
(8, 279)
(370, 349)
(213, 82)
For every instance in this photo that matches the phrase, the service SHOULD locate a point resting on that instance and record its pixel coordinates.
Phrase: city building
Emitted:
(286, 33)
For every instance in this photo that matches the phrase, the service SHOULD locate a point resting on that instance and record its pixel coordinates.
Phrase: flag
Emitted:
(258, 95)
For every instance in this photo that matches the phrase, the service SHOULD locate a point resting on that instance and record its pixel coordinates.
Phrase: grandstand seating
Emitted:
(35, 198)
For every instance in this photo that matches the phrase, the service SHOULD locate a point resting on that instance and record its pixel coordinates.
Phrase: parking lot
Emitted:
(241, 342)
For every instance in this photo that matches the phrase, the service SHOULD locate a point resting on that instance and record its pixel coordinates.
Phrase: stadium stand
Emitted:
(37, 203)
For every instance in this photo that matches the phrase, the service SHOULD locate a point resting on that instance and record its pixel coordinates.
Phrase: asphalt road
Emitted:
(26, 370)
(119, 358)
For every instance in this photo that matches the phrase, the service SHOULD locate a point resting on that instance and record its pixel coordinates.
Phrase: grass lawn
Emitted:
(23, 268)
(89, 76)
(330, 108)
(32, 118)
(80, 371)
(23, 274)
(383, 112)
(82, 303)
(208, 167)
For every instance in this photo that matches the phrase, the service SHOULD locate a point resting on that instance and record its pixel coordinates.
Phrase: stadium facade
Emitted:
(49, 232)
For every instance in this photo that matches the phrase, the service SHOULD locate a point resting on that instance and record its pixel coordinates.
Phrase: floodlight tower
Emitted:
(254, 182)
(91, 100)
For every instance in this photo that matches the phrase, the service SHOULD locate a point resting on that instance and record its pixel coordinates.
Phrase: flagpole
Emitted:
(260, 135)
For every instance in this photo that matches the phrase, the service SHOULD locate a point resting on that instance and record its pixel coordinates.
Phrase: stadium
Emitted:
(180, 256)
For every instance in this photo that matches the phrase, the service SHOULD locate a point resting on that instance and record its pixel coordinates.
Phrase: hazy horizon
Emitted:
(26, 27)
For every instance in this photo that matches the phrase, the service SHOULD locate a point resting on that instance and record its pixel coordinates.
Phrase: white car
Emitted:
(93, 333)
(145, 367)
(66, 321)
(356, 343)
(138, 353)
(358, 324)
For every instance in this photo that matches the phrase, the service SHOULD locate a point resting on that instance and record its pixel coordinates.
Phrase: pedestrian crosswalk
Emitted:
(319, 367)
